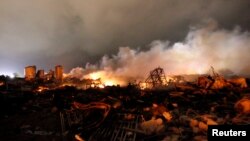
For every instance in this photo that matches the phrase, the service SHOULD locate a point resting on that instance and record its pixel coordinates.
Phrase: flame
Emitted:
(143, 85)
(109, 83)
(95, 75)
(101, 86)
(42, 88)
(106, 79)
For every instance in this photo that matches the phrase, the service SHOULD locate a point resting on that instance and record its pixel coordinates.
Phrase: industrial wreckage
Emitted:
(168, 109)
(182, 112)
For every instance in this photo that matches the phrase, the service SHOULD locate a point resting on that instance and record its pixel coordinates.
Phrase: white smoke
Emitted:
(203, 47)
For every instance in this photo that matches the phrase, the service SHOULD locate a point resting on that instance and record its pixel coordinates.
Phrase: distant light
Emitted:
(10, 74)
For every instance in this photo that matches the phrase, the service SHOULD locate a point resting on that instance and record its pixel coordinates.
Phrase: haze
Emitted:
(76, 32)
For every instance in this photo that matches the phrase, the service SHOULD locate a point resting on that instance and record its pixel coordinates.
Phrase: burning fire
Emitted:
(95, 75)
(103, 77)
(109, 83)
(41, 89)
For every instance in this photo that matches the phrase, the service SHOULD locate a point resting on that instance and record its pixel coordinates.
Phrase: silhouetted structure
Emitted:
(40, 74)
(50, 75)
(59, 73)
(156, 78)
(30, 73)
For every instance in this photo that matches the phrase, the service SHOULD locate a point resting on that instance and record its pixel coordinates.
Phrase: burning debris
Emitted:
(243, 105)
(238, 82)
(115, 99)
(82, 109)
(217, 81)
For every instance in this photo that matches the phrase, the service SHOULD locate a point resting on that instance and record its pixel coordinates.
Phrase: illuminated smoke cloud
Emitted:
(204, 46)
(46, 33)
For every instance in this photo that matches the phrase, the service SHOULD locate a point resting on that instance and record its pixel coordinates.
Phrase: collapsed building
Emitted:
(216, 81)
(40, 74)
(50, 75)
(128, 113)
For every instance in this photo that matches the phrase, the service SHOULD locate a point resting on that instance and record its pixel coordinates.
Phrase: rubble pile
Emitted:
(179, 114)
(181, 111)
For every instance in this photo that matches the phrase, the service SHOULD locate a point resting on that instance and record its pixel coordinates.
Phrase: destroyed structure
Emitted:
(156, 78)
(40, 74)
(128, 113)
(216, 81)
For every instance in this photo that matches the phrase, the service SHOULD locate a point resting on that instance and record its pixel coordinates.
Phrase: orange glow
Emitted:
(143, 85)
(41, 89)
(1, 83)
(106, 79)
(95, 75)
(101, 86)
(109, 83)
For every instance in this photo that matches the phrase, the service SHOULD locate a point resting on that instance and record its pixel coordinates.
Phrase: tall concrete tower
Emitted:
(59, 73)
(30, 73)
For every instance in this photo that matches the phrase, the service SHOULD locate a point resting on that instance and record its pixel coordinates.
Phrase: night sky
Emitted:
(74, 32)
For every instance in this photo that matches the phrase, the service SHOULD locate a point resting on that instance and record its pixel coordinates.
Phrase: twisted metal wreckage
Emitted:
(130, 124)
